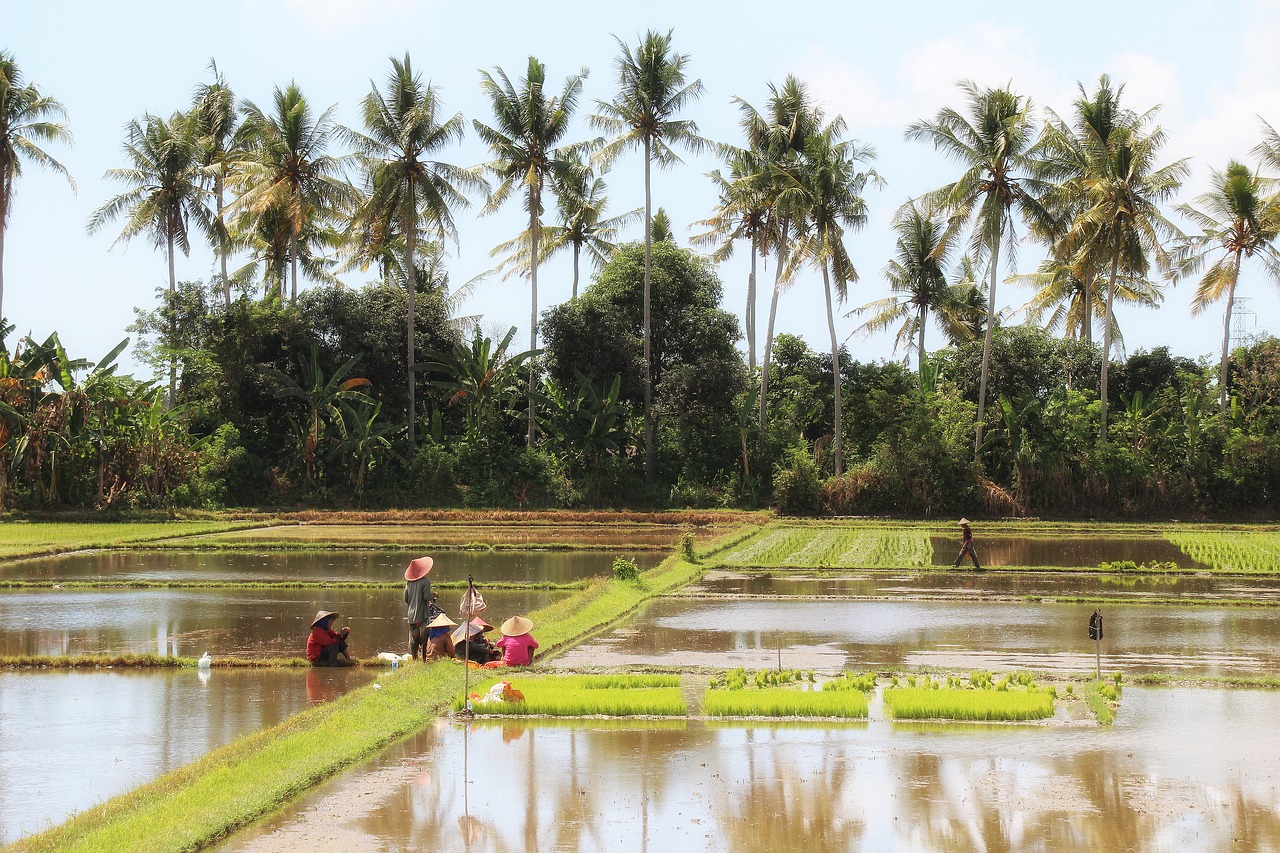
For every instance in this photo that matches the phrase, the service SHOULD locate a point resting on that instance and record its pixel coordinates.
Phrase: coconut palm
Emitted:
(1239, 218)
(166, 196)
(25, 122)
(777, 137)
(994, 142)
(831, 202)
(652, 90)
(742, 213)
(1268, 150)
(1069, 292)
(917, 274)
(1110, 183)
(407, 191)
(214, 113)
(527, 154)
(286, 174)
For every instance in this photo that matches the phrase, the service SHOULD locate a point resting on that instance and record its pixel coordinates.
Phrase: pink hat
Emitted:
(418, 568)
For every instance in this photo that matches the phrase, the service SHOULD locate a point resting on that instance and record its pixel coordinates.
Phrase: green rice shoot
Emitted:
(585, 696)
(784, 702)
(1013, 698)
(1233, 551)
(833, 547)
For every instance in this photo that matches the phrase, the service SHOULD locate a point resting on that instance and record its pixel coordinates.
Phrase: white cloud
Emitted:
(844, 88)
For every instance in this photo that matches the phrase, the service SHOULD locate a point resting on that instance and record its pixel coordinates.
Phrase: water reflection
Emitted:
(69, 740)
(320, 566)
(1063, 550)
(226, 622)
(1181, 769)
(861, 635)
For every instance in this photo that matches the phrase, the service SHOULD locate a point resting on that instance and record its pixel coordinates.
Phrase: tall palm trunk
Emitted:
(750, 316)
(768, 337)
(535, 199)
(986, 344)
(577, 250)
(1106, 341)
(411, 316)
(835, 370)
(218, 190)
(1086, 322)
(1226, 337)
(649, 457)
(293, 269)
(173, 322)
(4, 220)
(924, 320)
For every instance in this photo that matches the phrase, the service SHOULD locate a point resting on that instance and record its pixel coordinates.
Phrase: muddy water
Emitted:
(934, 584)
(655, 536)
(1182, 769)
(226, 623)
(958, 635)
(1064, 550)
(69, 740)
(332, 566)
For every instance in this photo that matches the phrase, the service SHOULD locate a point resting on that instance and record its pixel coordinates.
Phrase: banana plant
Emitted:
(323, 397)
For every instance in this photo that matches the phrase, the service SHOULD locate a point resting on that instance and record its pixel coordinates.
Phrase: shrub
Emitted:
(797, 489)
(625, 569)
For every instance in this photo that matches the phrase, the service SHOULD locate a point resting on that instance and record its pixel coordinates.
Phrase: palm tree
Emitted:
(994, 143)
(165, 195)
(743, 213)
(407, 191)
(917, 274)
(1268, 150)
(652, 90)
(1069, 293)
(1115, 190)
(214, 113)
(524, 144)
(1239, 217)
(24, 124)
(832, 187)
(286, 174)
(776, 139)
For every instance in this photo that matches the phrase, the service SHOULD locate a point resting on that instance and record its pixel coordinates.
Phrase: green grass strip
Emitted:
(784, 702)
(230, 787)
(154, 661)
(97, 583)
(20, 539)
(915, 703)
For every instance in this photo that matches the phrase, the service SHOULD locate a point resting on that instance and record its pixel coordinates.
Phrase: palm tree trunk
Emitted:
(1086, 322)
(924, 319)
(1106, 342)
(649, 456)
(768, 337)
(293, 270)
(173, 323)
(4, 221)
(1226, 337)
(577, 249)
(218, 189)
(837, 440)
(986, 345)
(411, 316)
(750, 316)
(534, 201)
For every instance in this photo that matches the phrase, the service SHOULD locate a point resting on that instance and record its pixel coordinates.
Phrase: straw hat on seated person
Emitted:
(516, 626)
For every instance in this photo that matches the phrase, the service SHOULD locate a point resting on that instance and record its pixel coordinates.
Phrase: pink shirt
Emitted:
(517, 651)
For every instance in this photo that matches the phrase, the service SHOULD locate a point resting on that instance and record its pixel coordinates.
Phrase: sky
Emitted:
(1212, 67)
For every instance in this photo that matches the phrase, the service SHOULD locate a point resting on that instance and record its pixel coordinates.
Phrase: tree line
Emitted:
(639, 394)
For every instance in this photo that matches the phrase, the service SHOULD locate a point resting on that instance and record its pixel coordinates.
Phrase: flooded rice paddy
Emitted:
(957, 635)
(996, 550)
(1181, 769)
(223, 622)
(320, 566)
(69, 740)
(455, 536)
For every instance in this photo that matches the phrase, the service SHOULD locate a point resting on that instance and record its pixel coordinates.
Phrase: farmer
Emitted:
(472, 644)
(418, 598)
(966, 546)
(325, 646)
(439, 644)
(517, 643)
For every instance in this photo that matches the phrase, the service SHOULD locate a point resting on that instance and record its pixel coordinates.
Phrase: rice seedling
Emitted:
(1234, 551)
(866, 683)
(784, 702)
(1103, 699)
(830, 547)
(586, 696)
(928, 699)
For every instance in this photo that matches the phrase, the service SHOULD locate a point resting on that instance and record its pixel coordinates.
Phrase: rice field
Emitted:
(31, 538)
(1234, 551)
(584, 696)
(768, 693)
(833, 547)
(1012, 699)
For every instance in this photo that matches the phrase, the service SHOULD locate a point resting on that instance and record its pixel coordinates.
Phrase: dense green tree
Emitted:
(407, 191)
(652, 90)
(28, 118)
(994, 142)
(525, 142)
(1239, 218)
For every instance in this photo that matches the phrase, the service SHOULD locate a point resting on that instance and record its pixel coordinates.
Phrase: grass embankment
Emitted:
(153, 661)
(1012, 699)
(99, 583)
(230, 787)
(585, 696)
(39, 538)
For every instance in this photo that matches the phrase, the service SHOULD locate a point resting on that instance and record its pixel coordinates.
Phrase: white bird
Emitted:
(205, 661)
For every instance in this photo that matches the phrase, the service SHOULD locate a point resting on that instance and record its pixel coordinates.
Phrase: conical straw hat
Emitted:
(515, 626)
(322, 615)
(442, 621)
(418, 568)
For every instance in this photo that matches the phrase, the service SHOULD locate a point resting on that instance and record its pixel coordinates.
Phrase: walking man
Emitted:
(966, 546)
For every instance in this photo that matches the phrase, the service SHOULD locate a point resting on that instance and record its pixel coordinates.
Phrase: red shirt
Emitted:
(516, 651)
(318, 639)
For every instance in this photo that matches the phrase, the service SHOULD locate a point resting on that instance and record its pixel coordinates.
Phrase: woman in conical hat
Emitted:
(517, 643)
(966, 546)
(439, 643)
(325, 646)
(418, 598)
